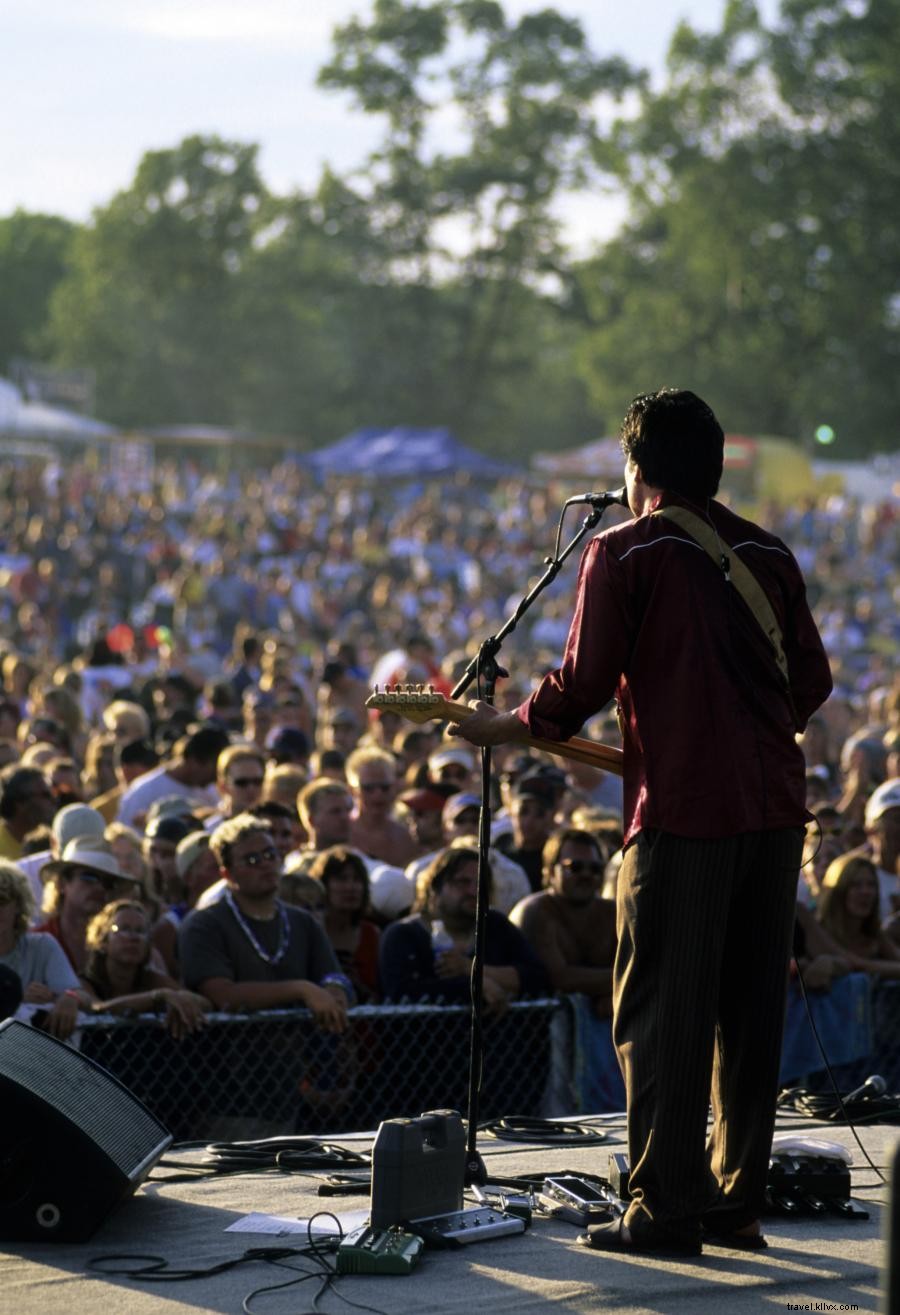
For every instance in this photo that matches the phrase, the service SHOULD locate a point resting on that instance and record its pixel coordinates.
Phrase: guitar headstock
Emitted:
(414, 702)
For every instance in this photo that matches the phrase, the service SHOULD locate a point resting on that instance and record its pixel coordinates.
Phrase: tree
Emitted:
(479, 219)
(760, 262)
(34, 250)
(147, 300)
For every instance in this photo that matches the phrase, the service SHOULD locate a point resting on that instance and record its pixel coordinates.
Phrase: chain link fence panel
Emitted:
(251, 1075)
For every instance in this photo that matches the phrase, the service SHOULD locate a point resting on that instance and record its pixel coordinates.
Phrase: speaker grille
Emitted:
(84, 1093)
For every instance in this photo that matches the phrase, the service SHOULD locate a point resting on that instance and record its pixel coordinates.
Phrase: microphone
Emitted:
(618, 497)
(872, 1087)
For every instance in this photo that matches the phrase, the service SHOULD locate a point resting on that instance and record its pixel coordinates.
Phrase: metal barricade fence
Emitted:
(274, 1072)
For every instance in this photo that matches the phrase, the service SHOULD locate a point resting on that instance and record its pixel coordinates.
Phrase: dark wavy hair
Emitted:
(677, 442)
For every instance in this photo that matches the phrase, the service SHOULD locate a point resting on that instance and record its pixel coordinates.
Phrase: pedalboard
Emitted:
(481, 1223)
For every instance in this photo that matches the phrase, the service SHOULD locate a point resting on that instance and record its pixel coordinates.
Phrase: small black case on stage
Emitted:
(74, 1142)
(418, 1168)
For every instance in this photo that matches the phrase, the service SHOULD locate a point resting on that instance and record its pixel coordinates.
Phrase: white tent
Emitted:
(21, 419)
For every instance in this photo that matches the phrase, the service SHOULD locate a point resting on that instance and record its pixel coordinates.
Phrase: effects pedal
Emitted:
(482, 1223)
(378, 1251)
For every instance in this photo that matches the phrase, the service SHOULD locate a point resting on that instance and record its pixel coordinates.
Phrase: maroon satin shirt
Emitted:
(709, 747)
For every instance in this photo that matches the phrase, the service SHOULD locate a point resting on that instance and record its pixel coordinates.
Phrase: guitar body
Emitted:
(420, 704)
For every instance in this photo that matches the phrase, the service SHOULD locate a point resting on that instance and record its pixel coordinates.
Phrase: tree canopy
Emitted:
(758, 263)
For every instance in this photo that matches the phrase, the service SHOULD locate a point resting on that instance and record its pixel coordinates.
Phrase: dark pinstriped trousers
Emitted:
(699, 989)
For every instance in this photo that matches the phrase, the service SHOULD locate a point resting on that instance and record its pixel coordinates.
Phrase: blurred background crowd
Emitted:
(184, 654)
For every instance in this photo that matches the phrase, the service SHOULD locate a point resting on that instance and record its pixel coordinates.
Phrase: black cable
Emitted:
(520, 1127)
(866, 1111)
(285, 1154)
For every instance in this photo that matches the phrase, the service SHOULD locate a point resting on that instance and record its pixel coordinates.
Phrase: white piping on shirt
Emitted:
(692, 543)
(767, 547)
(747, 543)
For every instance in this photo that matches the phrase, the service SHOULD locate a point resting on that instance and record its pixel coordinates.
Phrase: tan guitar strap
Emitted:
(737, 574)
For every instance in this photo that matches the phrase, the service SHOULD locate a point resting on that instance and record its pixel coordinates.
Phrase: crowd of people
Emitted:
(199, 812)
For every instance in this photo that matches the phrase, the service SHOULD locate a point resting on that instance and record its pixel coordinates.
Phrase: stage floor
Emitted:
(828, 1260)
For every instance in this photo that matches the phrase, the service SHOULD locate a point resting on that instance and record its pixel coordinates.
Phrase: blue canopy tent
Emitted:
(401, 453)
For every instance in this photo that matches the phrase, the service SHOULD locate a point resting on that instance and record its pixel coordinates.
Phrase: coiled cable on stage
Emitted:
(287, 1154)
(522, 1128)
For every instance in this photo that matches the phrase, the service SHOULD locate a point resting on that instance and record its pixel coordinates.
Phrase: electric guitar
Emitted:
(421, 703)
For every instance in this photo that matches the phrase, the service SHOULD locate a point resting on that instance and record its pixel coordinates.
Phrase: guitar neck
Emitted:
(578, 749)
(422, 706)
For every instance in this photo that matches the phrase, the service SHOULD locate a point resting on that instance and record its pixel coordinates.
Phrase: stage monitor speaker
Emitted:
(74, 1142)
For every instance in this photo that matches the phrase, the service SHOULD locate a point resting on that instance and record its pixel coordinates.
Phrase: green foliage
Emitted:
(759, 264)
(34, 250)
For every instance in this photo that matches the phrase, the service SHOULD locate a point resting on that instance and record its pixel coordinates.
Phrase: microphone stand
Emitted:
(486, 670)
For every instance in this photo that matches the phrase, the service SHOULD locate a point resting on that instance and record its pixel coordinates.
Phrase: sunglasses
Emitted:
(95, 879)
(580, 867)
(267, 855)
(370, 786)
(244, 782)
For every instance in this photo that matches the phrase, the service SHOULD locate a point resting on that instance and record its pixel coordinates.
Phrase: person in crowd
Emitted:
(569, 926)
(196, 870)
(284, 823)
(452, 765)
(259, 715)
(64, 779)
(126, 721)
(251, 951)
(127, 846)
(76, 887)
(328, 762)
(191, 772)
(714, 814)
(303, 890)
(429, 954)
(289, 746)
(118, 977)
(240, 771)
(162, 835)
(341, 730)
(533, 802)
(422, 810)
(326, 811)
(817, 955)
(459, 825)
(282, 784)
(26, 802)
(47, 977)
(354, 938)
(132, 759)
(882, 818)
(99, 775)
(372, 775)
(71, 821)
(849, 913)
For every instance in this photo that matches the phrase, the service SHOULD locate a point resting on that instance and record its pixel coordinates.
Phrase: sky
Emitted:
(88, 86)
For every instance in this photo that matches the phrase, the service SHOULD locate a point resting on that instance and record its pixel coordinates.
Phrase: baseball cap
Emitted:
(458, 803)
(885, 797)
(288, 743)
(189, 850)
(423, 801)
(535, 786)
(76, 820)
(446, 757)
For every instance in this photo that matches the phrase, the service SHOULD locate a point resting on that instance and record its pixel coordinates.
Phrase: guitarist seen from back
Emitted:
(696, 621)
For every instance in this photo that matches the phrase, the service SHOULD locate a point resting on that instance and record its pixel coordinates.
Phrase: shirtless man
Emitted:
(372, 774)
(570, 928)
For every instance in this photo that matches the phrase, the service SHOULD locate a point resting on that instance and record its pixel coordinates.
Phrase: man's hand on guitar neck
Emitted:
(485, 725)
